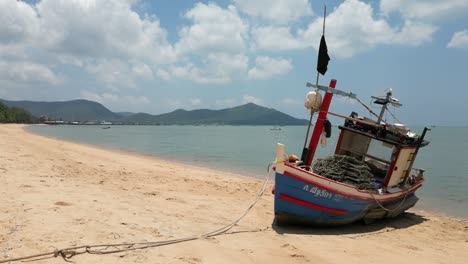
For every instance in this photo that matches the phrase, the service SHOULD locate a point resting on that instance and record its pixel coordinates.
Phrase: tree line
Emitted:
(15, 115)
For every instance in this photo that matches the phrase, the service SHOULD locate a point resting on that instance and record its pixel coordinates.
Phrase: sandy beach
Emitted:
(58, 194)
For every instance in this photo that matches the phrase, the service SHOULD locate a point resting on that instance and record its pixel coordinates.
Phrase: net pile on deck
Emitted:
(347, 170)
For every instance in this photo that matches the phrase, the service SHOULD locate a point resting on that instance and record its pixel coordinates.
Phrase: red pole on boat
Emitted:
(319, 123)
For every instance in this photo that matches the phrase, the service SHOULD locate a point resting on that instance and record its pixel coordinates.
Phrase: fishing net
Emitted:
(347, 170)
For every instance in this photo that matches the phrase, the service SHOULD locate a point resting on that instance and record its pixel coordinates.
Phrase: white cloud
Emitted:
(425, 9)
(352, 28)
(143, 71)
(106, 38)
(266, 67)
(413, 33)
(275, 39)
(108, 98)
(459, 40)
(18, 22)
(19, 30)
(216, 41)
(101, 29)
(115, 74)
(252, 99)
(214, 29)
(276, 11)
(218, 68)
(27, 72)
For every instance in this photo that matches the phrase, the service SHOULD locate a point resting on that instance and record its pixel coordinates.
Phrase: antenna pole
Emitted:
(384, 106)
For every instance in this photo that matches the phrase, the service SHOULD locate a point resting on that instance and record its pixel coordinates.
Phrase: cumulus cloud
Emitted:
(352, 28)
(413, 33)
(213, 29)
(27, 72)
(18, 22)
(276, 11)
(102, 29)
(88, 34)
(115, 74)
(459, 40)
(275, 39)
(266, 67)
(218, 68)
(217, 41)
(424, 9)
(143, 71)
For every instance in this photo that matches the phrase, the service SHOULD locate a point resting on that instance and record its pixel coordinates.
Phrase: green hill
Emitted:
(76, 110)
(83, 110)
(248, 114)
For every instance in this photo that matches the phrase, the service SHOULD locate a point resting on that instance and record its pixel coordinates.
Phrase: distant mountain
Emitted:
(124, 114)
(83, 110)
(76, 110)
(248, 114)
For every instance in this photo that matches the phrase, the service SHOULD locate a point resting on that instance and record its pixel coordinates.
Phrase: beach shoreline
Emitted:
(229, 170)
(59, 194)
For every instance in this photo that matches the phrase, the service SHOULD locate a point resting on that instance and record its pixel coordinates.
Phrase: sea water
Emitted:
(248, 150)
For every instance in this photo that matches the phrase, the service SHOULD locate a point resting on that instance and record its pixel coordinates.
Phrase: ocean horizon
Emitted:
(248, 150)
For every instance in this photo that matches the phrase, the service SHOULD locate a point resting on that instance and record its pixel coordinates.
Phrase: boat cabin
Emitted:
(389, 155)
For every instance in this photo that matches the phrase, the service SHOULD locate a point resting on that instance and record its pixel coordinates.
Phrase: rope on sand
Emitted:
(67, 253)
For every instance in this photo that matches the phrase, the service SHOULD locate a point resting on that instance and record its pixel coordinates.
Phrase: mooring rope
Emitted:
(67, 253)
(386, 209)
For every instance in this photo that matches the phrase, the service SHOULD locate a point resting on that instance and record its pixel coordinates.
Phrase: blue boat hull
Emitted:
(304, 202)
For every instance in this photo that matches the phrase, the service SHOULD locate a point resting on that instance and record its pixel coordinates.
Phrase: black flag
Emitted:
(323, 57)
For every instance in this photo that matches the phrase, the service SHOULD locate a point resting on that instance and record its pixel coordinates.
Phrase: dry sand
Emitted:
(57, 194)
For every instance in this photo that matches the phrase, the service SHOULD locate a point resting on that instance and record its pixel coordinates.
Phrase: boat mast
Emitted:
(306, 151)
(318, 128)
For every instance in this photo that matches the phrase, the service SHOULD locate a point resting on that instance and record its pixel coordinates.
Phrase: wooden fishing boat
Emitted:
(369, 177)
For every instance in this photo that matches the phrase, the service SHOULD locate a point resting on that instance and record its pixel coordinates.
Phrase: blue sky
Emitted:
(158, 56)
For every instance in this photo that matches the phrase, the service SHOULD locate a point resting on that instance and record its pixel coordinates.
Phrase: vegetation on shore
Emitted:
(15, 115)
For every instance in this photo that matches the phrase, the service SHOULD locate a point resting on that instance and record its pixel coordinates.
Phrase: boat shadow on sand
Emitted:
(403, 221)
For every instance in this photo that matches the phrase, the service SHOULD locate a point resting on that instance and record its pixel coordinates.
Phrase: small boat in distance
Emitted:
(107, 127)
(370, 176)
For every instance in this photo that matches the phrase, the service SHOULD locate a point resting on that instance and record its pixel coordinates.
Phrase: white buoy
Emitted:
(313, 101)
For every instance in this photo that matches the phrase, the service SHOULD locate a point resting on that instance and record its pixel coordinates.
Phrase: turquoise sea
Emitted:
(248, 150)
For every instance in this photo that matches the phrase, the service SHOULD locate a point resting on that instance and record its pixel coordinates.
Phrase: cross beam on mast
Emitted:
(333, 91)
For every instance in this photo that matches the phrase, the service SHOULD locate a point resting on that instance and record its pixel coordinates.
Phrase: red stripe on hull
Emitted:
(289, 174)
(312, 206)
